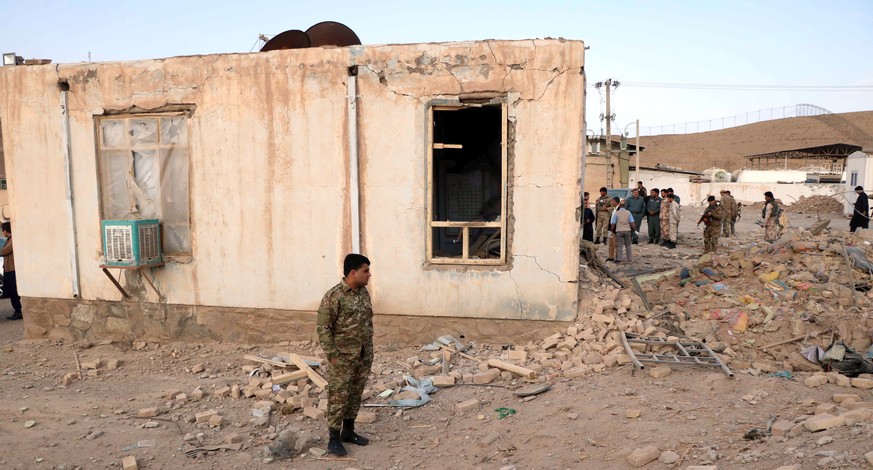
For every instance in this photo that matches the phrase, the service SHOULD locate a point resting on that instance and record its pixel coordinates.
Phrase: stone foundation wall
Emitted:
(72, 320)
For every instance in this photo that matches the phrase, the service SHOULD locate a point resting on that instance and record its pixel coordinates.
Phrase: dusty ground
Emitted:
(700, 414)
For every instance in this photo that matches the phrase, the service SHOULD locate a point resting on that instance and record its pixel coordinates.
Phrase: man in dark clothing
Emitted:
(587, 220)
(653, 219)
(636, 205)
(676, 198)
(860, 216)
(9, 284)
(643, 193)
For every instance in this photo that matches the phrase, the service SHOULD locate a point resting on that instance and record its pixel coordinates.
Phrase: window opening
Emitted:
(467, 185)
(143, 165)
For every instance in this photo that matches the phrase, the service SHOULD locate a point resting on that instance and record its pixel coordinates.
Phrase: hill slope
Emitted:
(727, 148)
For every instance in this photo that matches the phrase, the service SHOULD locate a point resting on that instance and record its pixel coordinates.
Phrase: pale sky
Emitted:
(778, 44)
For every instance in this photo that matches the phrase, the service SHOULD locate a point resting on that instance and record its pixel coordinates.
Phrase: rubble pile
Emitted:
(816, 205)
(760, 305)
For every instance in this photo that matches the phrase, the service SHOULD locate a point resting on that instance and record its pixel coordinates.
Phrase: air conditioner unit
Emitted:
(132, 243)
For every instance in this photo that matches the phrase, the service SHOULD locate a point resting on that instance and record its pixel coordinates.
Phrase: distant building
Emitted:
(597, 170)
(859, 172)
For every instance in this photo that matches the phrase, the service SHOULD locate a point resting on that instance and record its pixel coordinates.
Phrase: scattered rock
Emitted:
(642, 456)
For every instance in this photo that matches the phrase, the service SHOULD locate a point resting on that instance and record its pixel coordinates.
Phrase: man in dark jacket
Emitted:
(653, 212)
(587, 220)
(860, 216)
(636, 205)
(9, 284)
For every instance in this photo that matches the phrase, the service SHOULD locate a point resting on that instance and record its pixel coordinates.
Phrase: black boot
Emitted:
(597, 241)
(335, 444)
(348, 434)
(15, 316)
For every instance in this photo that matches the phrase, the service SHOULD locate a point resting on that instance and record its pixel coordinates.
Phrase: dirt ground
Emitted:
(595, 422)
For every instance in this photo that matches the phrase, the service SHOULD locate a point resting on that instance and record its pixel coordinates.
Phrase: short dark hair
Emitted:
(728, 191)
(669, 190)
(7, 226)
(655, 190)
(617, 199)
(669, 196)
(586, 194)
(639, 182)
(353, 261)
(710, 199)
(859, 188)
(603, 189)
(768, 194)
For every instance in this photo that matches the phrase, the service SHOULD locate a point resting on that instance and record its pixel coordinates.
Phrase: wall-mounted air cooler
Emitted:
(132, 243)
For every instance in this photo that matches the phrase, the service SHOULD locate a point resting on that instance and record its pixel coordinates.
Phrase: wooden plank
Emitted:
(504, 179)
(302, 365)
(450, 224)
(522, 371)
(437, 146)
(263, 360)
(459, 353)
(429, 204)
(289, 377)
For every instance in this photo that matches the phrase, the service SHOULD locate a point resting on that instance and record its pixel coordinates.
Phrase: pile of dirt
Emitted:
(816, 205)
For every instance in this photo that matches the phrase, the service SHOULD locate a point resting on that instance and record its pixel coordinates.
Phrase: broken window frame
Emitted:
(157, 147)
(465, 226)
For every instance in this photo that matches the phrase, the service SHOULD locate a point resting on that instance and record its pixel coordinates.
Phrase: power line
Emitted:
(740, 87)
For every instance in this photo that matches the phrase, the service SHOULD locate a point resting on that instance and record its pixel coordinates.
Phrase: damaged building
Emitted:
(456, 168)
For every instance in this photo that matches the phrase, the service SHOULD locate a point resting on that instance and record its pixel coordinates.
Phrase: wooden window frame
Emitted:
(466, 226)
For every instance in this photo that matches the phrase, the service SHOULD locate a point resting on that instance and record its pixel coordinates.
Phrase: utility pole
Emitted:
(638, 153)
(608, 83)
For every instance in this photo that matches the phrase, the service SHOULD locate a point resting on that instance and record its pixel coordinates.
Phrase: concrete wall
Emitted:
(747, 193)
(269, 175)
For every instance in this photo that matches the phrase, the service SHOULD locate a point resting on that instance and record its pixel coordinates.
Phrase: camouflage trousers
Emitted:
(772, 231)
(345, 385)
(710, 238)
(728, 227)
(601, 228)
(672, 231)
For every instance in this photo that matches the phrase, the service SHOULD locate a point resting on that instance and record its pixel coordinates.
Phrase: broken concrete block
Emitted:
(815, 380)
(366, 417)
(129, 463)
(221, 392)
(781, 428)
(575, 372)
(869, 457)
(608, 319)
(216, 420)
(668, 457)
(233, 438)
(147, 412)
(842, 381)
(95, 364)
(113, 363)
(314, 413)
(631, 414)
(491, 438)
(592, 358)
(467, 405)
(825, 408)
(862, 383)
(443, 381)
(263, 394)
(197, 368)
(235, 391)
(516, 356)
(181, 398)
(823, 421)
(205, 416)
(660, 372)
(644, 455)
(857, 416)
(197, 394)
(841, 397)
(486, 377)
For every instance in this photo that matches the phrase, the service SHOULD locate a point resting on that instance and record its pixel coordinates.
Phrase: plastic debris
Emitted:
(504, 412)
(422, 386)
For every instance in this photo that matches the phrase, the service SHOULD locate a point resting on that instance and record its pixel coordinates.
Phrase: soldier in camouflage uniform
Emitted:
(770, 213)
(665, 218)
(345, 331)
(712, 219)
(603, 209)
(729, 204)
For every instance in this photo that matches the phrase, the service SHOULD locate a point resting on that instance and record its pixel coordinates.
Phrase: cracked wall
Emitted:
(269, 165)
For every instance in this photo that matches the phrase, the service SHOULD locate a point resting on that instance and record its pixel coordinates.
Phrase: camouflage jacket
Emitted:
(345, 320)
(604, 203)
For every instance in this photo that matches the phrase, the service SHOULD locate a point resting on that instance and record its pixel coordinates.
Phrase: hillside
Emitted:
(726, 148)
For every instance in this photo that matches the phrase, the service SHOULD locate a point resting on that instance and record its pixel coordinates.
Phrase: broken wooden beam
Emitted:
(302, 365)
(518, 370)
(264, 360)
(289, 377)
